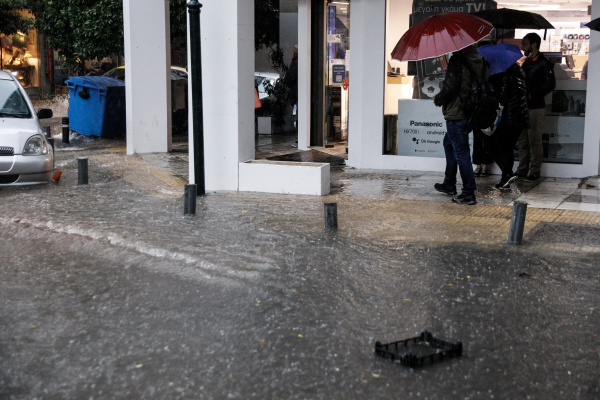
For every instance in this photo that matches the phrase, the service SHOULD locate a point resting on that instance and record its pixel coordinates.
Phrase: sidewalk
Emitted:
(391, 205)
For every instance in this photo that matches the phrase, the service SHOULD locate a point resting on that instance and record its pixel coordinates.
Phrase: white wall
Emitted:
(148, 75)
(365, 135)
(304, 60)
(227, 28)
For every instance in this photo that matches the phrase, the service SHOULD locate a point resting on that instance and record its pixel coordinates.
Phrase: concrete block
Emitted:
(284, 177)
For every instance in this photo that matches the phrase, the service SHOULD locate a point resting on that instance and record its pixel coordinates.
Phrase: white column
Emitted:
(147, 75)
(227, 28)
(304, 61)
(591, 139)
(365, 138)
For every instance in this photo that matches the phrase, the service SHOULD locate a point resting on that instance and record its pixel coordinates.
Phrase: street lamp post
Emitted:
(197, 111)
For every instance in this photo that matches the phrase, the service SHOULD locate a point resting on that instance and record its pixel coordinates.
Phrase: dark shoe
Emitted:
(465, 199)
(477, 171)
(533, 177)
(484, 172)
(450, 191)
(522, 176)
(509, 181)
(500, 186)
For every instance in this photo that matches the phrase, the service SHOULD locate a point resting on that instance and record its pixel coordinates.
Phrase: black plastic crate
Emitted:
(419, 351)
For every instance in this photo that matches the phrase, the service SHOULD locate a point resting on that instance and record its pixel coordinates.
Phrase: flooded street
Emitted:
(109, 292)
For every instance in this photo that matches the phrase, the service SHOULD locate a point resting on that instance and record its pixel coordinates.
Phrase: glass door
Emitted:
(337, 71)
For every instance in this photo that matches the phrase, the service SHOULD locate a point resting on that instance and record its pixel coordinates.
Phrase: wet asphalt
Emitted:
(109, 293)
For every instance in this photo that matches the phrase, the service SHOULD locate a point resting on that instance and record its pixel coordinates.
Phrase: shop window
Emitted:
(413, 126)
(20, 56)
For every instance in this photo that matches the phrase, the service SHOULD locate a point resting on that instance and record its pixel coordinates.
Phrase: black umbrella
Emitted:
(506, 18)
(594, 24)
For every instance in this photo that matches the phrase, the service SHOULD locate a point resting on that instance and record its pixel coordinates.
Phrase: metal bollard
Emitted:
(47, 132)
(331, 221)
(189, 199)
(65, 130)
(82, 171)
(517, 222)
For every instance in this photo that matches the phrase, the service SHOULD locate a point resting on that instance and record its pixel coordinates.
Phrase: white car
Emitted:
(263, 78)
(26, 158)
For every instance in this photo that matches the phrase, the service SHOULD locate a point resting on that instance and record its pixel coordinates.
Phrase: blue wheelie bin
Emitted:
(97, 106)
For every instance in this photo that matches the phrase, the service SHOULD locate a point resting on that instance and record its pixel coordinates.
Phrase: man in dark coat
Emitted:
(540, 81)
(456, 141)
(291, 78)
(510, 87)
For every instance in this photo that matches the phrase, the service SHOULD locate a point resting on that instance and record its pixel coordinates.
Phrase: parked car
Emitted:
(119, 72)
(26, 158)
(261, 79)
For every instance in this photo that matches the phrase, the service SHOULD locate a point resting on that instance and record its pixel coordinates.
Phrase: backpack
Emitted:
(481, 105)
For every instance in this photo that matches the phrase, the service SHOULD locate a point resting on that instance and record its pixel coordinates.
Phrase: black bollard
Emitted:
(331, 221)
(517, 222)
(82, 171)
(47, 132)
(65, 130)
(189, 199)
(51, 142)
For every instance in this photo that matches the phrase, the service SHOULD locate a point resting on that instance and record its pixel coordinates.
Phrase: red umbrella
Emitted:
(440, 34)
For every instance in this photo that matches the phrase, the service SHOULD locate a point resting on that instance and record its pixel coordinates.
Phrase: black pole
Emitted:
(517, 222)
(189, 200)
(197, 111)
(331, 222)
(65, 130)
(82, 171)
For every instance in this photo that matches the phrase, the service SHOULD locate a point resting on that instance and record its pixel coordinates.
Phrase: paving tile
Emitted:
(541, 204)
(579, 207)
(577, 198)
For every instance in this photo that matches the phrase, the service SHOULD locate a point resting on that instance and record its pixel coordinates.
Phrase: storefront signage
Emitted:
(339, 74)
(422, 8)
(421, 129)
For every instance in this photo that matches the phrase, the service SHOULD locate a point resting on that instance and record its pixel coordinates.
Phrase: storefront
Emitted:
(27, 57)
(331, 71)
(387, 112)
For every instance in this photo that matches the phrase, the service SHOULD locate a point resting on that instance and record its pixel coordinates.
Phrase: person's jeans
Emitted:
(458, 156)
(530, 144)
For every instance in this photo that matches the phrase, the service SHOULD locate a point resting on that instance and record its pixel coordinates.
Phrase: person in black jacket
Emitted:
(510, 86)
(540, 81)
(291, 78)
(456, 141)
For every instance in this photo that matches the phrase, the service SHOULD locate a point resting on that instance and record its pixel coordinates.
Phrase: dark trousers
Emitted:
(482, 148)
(458, 156)
(503, 145)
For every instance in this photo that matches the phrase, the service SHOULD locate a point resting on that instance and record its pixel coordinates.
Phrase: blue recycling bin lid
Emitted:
(94, 82)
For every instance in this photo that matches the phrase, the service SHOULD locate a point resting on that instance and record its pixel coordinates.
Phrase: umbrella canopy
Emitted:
(594, 24)
(505, 18)
(500, 56)
(440, 34)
